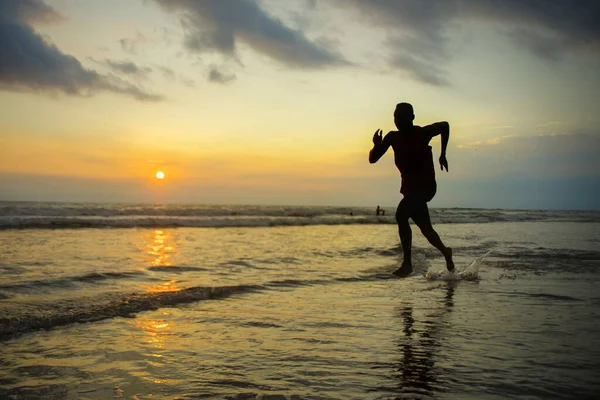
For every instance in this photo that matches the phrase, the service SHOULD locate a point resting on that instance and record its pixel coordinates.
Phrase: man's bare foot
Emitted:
(404, 271)
(448, 257)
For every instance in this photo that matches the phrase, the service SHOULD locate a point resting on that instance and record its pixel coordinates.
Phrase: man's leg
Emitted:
(402, 215)
(420, 214)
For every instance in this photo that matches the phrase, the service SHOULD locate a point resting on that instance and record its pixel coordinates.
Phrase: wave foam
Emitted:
(23, 215)
(93, 309)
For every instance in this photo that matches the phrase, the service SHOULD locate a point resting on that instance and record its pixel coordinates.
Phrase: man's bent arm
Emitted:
(440, 128)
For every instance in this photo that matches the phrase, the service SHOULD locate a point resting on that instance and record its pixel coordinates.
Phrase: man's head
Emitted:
(403, 115)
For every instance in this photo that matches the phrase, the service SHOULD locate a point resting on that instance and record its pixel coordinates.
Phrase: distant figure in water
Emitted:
(414, 159)
(379, 211)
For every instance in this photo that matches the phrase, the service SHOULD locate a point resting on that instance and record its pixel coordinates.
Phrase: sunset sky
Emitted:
(276, 102)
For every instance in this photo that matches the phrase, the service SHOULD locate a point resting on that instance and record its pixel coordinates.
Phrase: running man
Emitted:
(414, 159)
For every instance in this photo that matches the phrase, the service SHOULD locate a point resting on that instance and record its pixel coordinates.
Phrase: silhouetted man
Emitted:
(414, 159)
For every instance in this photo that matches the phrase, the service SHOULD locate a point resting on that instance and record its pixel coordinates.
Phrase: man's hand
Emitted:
(380, 146)
(443, 162)
(377, 137)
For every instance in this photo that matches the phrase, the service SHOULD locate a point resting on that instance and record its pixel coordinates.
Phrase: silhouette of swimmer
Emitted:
(414, 159)
(379, 211)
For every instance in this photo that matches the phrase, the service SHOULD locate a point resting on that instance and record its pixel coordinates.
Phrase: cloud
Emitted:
(220, 26)
(517, 171)
(548, 124)
(483, 143)
(167, 73)
(217, 76)
(128, 68)
(50, 187)
(534, 156)
(28, 11)
(561, 142)
(187, 81)
(548, 28)
(128, 46)
(418, 31)
(500, 127)
(131, 45)
(171, 76)
(30, 63)
(420, 65)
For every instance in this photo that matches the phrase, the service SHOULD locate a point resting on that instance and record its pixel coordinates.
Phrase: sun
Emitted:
(160, 175)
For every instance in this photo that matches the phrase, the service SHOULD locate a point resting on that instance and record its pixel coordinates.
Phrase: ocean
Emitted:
(122, 301)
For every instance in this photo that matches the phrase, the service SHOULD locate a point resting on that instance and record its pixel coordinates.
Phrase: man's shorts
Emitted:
(424, 193)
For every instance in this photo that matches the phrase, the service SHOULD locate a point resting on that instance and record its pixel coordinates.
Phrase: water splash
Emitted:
(471, 273)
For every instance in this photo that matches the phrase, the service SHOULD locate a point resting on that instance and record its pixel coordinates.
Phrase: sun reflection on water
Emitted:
(159, 337)
(157, 332)
(165, 287)
(160, 248)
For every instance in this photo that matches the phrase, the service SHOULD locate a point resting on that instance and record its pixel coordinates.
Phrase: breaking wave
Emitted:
(69, 280)
(96, 309)
(46, 215)
(83, 310)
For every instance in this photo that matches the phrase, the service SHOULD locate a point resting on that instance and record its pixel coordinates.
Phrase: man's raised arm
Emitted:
(380, 146)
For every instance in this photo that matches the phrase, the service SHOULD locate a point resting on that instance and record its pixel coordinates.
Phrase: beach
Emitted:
(243, 302)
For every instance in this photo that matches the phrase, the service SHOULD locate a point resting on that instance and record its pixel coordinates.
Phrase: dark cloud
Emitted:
(544, 45)
(421, 58)
(532, 157)
(128, 68)
(548, 28)
(28, 11)
(217, 76)
(221, 25)
(419, 30)
(30, 63)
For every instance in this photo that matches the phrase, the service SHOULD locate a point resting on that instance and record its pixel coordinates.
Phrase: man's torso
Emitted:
(414, 159)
